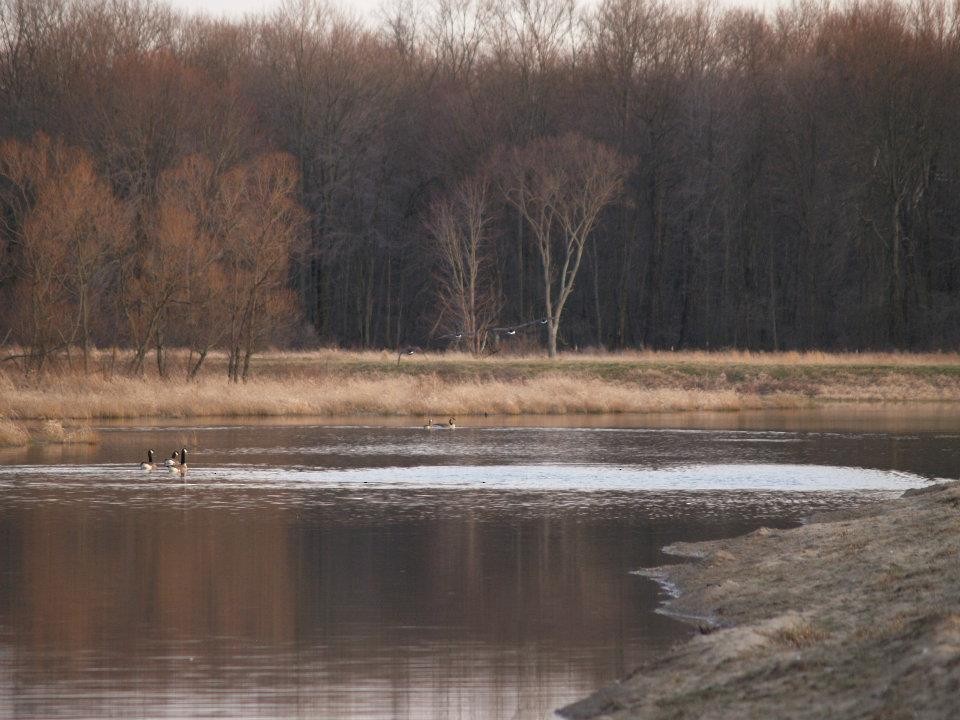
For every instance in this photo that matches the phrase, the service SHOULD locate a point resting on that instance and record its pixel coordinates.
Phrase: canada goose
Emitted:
(178, 462)
(429, 424)
(172, 460)
(441, 426)
(149, 464)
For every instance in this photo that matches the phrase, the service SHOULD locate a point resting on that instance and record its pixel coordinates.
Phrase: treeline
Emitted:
(636, 174)
(203, 262)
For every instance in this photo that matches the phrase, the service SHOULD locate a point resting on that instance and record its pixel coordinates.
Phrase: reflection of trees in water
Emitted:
(115, 579)
(133, 582)
(349, 603)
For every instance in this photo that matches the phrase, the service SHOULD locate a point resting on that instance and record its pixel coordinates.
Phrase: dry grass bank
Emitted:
(854, 616)
(12, 434)
(422, 396)
(349, 383)
(50, 432)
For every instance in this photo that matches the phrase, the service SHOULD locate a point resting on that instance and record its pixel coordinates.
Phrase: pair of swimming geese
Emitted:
(431, 425)
(176, 463)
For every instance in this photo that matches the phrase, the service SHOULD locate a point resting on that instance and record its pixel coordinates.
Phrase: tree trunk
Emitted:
(85, 331)
(196, 366)
(897, 320)
(596, 298)
(161, 368)
(552, 327)
(246, 363)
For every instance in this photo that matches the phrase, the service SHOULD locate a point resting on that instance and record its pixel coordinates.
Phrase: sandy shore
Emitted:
(854, 615)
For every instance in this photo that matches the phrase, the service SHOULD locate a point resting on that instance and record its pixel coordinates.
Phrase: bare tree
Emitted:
(460, 226)
(560, 186)
(261, 197)
(455, 33)
(37, 307)
(798, 185)
(78, 212)
(156, 276)
(65, 226)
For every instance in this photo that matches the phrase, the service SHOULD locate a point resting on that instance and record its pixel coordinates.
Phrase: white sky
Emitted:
(238, 8)
(368, 8)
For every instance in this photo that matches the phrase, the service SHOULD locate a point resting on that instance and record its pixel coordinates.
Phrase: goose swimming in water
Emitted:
(149, 464)
(179, 466)
(182, 466)
(172, 460)
(440, 426)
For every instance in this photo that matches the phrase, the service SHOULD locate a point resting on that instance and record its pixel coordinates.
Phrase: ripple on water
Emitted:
(383, 571)
(584, 478)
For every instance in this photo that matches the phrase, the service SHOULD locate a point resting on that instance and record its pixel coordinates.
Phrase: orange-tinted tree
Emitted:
(65, 226)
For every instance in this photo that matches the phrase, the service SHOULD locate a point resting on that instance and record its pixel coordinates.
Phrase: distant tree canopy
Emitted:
(696, 178)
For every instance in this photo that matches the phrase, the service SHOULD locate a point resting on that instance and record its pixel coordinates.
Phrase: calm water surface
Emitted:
(374, 570)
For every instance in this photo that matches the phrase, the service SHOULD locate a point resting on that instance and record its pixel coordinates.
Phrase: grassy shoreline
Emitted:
(854, 615)
(338, 383)
(15, 434)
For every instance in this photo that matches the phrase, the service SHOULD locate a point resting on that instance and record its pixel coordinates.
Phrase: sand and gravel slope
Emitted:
(854, 615)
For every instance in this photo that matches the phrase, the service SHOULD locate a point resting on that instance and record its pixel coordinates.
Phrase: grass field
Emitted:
(438, 385)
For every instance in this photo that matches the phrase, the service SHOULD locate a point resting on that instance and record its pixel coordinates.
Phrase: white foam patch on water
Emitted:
(527, 477)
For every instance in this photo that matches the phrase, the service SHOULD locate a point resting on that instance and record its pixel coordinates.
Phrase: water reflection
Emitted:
(271, 587)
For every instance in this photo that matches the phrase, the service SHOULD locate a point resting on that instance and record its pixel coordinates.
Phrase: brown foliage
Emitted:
(792, 179)
(211, 264)
(65, 225)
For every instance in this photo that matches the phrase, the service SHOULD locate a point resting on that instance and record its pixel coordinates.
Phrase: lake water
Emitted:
(371, 570)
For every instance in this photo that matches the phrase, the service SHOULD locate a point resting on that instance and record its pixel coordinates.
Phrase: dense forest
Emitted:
(628, 174)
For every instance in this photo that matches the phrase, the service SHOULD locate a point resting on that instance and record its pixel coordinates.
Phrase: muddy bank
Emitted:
(855, 615)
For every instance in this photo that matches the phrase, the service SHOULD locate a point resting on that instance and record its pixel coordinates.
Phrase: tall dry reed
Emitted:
(337, 395)
(347, 383)
(50, 432)
(12, 434)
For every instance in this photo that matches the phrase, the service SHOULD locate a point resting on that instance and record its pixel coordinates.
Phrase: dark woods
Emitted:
(634, 173)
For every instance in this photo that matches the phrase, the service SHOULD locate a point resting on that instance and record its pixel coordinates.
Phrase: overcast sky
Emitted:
(237, 8)
(230, 8)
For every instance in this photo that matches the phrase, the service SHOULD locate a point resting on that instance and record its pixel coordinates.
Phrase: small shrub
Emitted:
(798, 636)
(53, 431)
(12, 434)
